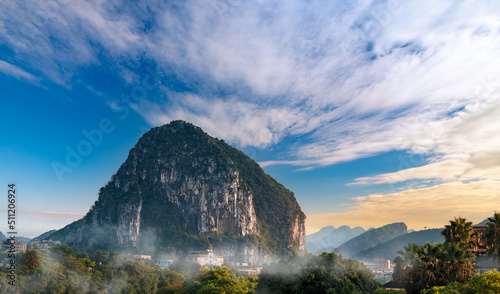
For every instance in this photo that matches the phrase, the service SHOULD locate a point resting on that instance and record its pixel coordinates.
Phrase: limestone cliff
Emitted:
(191, 190)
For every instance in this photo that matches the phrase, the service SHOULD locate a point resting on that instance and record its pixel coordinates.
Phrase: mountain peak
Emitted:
(179, 124)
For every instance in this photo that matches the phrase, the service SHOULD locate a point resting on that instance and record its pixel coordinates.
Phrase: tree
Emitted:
(327, 273)
(488, 282)
(221, 280)
(492, 236)
(433, 265)
(407, 257)
(459, 231)
(457, 263)
(30, 261)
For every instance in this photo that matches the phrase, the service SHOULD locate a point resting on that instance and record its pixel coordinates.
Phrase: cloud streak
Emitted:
(465, 148)
(361, 82)
(12, 70)
(33, 223)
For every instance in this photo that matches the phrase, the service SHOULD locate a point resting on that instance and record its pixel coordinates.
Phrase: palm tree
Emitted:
(409, 253)
(435, 265)
(492, 236)
(460, 231)
(425, 270)
(405, 262)
(457, 263)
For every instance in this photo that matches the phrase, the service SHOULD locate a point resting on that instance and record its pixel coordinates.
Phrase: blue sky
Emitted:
(370, 111)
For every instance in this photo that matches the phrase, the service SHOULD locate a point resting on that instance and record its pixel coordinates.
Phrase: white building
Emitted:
(142, 258)
(206, 257)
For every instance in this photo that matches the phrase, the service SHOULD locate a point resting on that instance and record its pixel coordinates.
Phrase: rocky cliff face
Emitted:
(189, 189)
(299, 233)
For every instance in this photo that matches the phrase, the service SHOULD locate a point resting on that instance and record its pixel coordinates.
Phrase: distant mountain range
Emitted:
(383, 242)
(24, 239)
(329, 238)
(371, 238)
(320, 234)
(388, 250)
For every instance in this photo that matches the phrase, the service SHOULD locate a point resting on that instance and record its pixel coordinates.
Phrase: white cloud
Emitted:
(118, 32)
(58, 37)
(15, 71)
(237, 121)
(355, 78)
(311, 59)
(465, 147)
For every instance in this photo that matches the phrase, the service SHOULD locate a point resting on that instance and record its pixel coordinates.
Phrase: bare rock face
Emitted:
(190, 189)
(299, 233)
(129, 222)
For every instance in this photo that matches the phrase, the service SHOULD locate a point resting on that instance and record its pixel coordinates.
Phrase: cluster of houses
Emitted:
(162, 263)
(204, 258)
(20, 246)
(44, 244)
(383, 268)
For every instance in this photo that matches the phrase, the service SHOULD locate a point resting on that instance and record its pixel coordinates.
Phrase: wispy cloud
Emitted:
(225, 118)
(465, 147)
(54, 213)
(354, 78)
(57, 38)
(362, 77)
(428, 207)
(12, 70)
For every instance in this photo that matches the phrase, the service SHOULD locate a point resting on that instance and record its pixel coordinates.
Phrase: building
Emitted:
(246, 268)
(142, 258)
(382, 268)
(484, 262)
(44, 244)
(249, 270)
(378, 264)
(20, 246)
(163, 264)
(480, 249)
(206, 257)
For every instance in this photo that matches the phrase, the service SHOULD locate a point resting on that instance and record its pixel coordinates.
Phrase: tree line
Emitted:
(60, 269)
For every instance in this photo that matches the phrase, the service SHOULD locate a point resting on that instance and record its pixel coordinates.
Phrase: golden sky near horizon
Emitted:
(430, 207)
